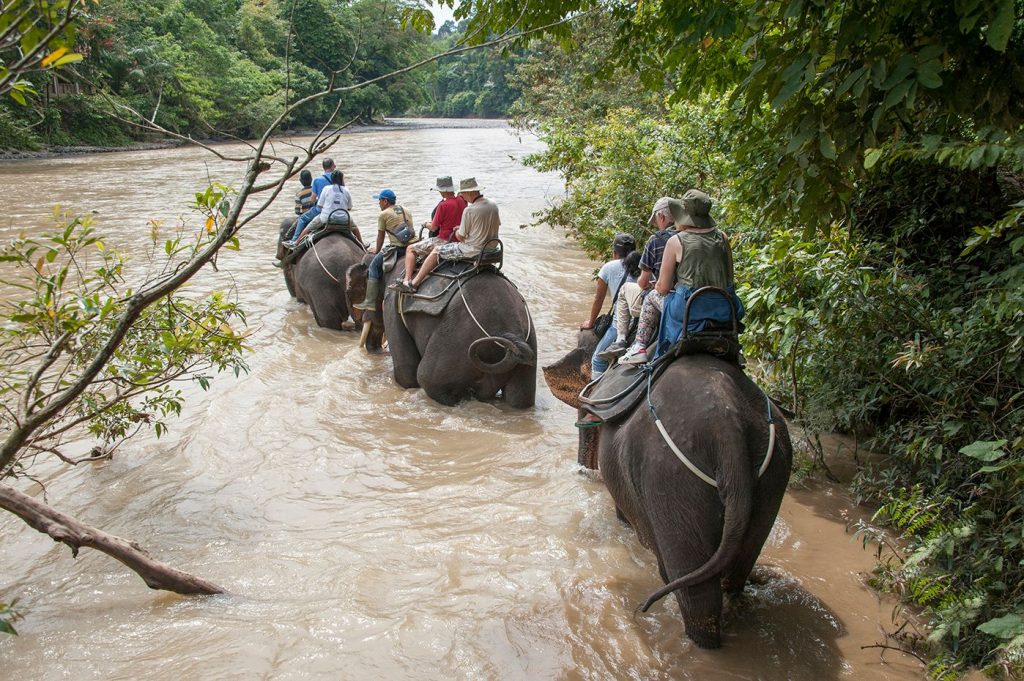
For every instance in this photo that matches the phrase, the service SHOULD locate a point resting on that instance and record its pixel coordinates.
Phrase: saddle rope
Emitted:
(689, 464)
(312, 247)
(529, 317)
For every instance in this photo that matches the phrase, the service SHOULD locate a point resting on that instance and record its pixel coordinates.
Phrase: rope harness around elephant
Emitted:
(456, 281)
(689, 464)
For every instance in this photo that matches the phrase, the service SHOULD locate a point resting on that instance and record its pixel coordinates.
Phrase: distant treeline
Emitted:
(211, 68)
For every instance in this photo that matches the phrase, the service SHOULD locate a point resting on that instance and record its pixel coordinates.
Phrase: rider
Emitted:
(630, 300)
(699, 255)
(393, 218)
(305, 198)
(335, 204)
(319, 184)
(446, 218)
(610, 278)
(480, 223)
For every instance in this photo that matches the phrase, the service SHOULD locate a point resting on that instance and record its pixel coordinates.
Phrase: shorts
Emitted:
(427, 245)
(456, 251)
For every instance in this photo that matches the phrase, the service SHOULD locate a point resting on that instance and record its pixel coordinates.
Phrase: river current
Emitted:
(364, 531)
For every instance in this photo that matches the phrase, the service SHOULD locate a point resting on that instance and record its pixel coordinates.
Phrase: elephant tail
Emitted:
(736, 482)
(498, 354)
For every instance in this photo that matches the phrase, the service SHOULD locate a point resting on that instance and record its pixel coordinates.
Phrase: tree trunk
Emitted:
(65, 529)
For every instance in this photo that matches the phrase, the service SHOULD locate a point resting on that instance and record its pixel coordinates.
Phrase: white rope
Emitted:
(771, 450)
(313, 248)
(529, 317)
(679, 455)
(696, 471)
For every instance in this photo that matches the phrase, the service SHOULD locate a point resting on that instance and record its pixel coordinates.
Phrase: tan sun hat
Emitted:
(666, 202)
(469, 185)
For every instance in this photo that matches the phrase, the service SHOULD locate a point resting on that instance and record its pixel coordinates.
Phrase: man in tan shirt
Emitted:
(395, 222)
(480, 223)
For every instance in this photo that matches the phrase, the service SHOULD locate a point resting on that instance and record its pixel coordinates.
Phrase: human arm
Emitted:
(595, 307)
(667, 275)
(644, 282)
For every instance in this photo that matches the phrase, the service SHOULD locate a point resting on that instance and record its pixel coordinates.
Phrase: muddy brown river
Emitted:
(366, 532)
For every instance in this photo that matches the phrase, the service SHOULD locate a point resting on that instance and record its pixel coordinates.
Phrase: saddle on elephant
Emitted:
(446, 280)
(616, 392)
(339, 223)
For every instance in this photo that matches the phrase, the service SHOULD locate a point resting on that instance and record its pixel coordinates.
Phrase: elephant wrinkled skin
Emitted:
(318, 278)
(706, 539)
(447, 355)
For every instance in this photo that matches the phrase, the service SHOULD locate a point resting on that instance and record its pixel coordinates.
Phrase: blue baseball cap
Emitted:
(386, 194)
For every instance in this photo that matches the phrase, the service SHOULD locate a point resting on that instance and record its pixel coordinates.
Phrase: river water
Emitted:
(363, 531)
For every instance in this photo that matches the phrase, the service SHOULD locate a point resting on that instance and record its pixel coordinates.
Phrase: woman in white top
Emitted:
(335, 203)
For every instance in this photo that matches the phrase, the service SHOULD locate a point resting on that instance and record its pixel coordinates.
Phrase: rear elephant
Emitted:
(698, 468)
(482, 344)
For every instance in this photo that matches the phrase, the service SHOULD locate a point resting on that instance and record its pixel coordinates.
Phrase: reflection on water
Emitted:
(364, 531)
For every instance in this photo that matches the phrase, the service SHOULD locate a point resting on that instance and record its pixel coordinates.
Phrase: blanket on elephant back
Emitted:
(437, 291)
(618, 391)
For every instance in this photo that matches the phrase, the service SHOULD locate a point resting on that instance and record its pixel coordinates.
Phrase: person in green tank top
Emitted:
(699, 255)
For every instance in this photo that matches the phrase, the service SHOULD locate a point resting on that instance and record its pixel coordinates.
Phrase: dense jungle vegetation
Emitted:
(866, 157)
(867, 160)
(208, 68)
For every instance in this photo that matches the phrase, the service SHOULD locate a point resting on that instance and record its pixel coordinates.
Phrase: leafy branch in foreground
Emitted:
(74, 293)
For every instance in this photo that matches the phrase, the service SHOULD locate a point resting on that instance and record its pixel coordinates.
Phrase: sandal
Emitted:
(402, 287)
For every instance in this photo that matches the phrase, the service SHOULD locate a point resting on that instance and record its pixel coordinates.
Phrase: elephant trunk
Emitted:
(737, 492)
(498, 354)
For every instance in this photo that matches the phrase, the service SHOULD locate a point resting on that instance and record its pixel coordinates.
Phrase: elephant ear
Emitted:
(567, 376)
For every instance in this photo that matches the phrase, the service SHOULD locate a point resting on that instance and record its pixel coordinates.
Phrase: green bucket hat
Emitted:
(695, 210)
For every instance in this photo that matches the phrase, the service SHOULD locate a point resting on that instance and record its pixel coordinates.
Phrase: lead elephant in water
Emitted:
(317, 277)
(706, 535)
(481, 346)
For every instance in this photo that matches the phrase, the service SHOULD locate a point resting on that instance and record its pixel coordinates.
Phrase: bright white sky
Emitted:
(441, 15)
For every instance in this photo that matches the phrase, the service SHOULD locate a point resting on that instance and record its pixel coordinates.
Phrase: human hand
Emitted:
(589, 324)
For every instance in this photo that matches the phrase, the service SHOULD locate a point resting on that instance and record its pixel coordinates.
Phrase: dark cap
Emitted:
(624, 243)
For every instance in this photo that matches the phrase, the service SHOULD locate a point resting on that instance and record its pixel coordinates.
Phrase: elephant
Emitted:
(450, 355)
(317, 277)
(706, 536)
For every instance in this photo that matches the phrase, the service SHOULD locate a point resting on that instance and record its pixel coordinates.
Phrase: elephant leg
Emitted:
(701, 605)
(445, 383)
(404, 356)
(520, 390)
(685, 537)
(767, 499)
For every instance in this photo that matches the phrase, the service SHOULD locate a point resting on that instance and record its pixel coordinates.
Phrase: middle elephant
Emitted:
(481, 343)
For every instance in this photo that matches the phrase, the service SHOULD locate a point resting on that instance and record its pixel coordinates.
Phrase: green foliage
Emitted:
(617, 166)
(74, 293)
(13, 133)
(479, 83)
(35, 36)
(827, 87)
(8, 616)
(902, 323)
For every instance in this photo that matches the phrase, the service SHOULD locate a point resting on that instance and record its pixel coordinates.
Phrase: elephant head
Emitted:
(372, 337)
